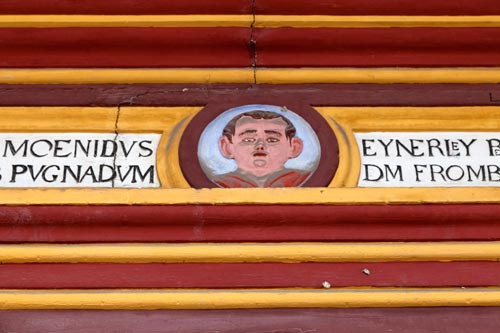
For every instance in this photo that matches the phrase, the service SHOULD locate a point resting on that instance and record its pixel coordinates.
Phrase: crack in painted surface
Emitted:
(253, 44)
(118, 109)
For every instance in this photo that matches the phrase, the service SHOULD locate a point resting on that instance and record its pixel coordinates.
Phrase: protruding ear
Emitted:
(297, 146)
(226, 147)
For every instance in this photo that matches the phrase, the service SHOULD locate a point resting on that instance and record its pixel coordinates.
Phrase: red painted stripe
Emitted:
(299, 7)
(249, 223)
(231, 95)
(264, 275)
(381, 320)
(125, 7)
(427, 47)
(125, 47)
(379, 7)
(229, 47)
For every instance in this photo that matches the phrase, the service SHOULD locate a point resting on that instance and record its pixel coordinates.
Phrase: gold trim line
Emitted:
(249, 252)
(251, 196)
(151, 299)
(246, 20)
(385, 75)
(125, 21)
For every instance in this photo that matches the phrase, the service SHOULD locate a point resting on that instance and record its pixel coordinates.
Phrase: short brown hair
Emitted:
(230, 128)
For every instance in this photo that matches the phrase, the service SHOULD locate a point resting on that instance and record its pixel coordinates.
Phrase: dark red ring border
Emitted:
(188, 147)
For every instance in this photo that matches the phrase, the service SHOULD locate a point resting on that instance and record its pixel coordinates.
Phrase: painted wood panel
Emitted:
(332, 225)
(125, 47)
(231, 95)
(263, 275)
(411, 47)
(254, 223)
(384, 7)
(127, 7)
(248, 321)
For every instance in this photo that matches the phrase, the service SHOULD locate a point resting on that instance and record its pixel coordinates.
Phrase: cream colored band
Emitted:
(155, 299)
(249, 252)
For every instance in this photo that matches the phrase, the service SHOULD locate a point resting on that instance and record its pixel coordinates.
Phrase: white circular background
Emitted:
(213, 163)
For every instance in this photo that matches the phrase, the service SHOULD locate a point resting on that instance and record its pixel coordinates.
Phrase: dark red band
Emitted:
(263, 275)
(249, 223)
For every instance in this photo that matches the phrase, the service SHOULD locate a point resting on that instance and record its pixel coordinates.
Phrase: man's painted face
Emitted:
(260, 146)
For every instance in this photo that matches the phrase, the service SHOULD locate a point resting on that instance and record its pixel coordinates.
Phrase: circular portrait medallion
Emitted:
(255, 145)
(258, 146)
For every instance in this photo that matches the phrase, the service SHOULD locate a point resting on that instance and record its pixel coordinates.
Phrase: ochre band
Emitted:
(249, 252)
(246, 75)
(151, 299)
(259, 21)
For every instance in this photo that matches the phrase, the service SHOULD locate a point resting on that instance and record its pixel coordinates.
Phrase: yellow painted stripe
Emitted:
(246, 75)
(368, 21)
(249, 252)
(253, 196)
(151, 299)
(261, 21)
(130, 21)
(108, 75)
(378, 75)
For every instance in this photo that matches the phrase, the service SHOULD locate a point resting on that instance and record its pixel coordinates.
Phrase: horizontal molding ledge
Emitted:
(261, 21)
(250, 196)
(373, 21)
(249, 252)
(152, 299)
(385, 75)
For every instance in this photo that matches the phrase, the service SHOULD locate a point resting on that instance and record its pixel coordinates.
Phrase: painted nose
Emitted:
(260, 144)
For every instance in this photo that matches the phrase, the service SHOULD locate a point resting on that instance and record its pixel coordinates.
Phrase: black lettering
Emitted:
(67, 169)
(451, 148)
(79, 146)
(124, 149)
(17, 169)
(366, 147)
(101, 173)
(418, 171)
(53, 177)
(49, 144)
(492, 100)
(149, 172)
(414, 147)
(400, 145)
(393, 174)
(494, 147)
(104, 151)
(434, 144)
(120, 175)
(386, 146)
(480, 174)
(13, 150)
(96, 147)
(493, 170)
(449, 173)
(57, 148)
(373, 178)
(149, 150)
(35, 175)
(89, 172)
(467, 146)
(439, 171)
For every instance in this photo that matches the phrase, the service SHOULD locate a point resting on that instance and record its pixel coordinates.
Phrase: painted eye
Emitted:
(272, 140)
(248, 140)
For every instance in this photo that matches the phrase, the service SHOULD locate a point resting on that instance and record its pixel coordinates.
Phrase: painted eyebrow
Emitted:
(273, 132)
(249, 131)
